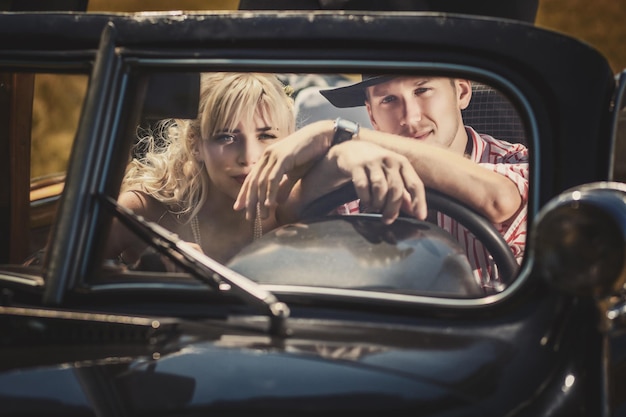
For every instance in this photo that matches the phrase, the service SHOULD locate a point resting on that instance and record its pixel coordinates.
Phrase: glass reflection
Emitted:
(256, 159)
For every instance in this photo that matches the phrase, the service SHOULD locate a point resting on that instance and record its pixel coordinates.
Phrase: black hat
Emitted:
(354, 95)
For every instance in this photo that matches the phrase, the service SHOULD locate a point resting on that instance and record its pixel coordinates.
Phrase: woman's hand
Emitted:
(281, 166)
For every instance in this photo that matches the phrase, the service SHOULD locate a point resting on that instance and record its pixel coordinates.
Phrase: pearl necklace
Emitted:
(257, 230)
(195, 229)
(258, 226)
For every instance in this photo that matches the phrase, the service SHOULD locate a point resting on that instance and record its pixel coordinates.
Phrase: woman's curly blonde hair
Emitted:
(169, 170)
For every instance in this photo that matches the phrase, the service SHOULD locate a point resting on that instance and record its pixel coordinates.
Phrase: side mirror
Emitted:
(579, 240)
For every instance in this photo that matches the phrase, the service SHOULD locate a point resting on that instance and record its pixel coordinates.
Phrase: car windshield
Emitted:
(204, 137)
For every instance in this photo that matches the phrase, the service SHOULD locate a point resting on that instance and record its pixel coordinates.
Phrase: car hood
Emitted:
(406, 370)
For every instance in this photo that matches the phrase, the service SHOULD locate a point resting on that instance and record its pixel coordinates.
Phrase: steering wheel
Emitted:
(478, 225)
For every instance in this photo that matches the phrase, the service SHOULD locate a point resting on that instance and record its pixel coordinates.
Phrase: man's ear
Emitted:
(464, 92)
(371, 116)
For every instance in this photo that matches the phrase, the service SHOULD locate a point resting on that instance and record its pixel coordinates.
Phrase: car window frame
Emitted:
(148, 65)
(530, 78)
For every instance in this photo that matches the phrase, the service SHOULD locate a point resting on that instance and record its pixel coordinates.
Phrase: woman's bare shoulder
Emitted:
(142, 204)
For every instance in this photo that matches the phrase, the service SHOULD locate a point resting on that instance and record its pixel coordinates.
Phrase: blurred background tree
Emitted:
(600, 23)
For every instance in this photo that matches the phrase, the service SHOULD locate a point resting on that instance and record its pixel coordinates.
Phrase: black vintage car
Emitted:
(389, 322)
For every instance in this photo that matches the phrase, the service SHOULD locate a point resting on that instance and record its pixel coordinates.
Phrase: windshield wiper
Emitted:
(206, 269)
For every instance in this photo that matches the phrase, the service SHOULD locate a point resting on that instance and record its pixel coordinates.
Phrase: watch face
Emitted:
(347, 125)
(344, 130)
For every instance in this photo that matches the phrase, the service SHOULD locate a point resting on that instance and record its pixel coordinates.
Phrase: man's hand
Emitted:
(385, 181)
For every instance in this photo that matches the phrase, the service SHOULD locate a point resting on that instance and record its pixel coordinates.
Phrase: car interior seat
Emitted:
(491, 112)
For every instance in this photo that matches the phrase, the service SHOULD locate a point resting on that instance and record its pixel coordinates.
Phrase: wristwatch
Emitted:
(344, 130)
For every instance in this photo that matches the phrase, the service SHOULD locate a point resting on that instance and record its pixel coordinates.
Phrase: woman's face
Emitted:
(230, 155)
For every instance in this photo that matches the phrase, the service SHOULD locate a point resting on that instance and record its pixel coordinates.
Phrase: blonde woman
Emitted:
(193, 169)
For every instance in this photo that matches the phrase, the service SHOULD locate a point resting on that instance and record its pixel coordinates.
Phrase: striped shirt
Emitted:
(510, 160)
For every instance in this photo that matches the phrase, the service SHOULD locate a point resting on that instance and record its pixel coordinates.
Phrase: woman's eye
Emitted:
(267, 136)
(225, 138)
(420, 91)
(387, 99)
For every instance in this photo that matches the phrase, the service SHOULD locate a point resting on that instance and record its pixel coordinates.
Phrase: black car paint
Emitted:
(327, 364)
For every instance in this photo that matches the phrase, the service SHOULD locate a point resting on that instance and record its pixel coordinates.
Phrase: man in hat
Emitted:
(416, 120)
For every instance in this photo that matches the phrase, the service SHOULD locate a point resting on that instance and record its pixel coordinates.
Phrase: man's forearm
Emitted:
(492, 194)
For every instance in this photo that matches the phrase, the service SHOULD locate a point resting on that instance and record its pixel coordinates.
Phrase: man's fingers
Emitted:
(414, 185)
(378, 187)
(393, 198)
(361, 184)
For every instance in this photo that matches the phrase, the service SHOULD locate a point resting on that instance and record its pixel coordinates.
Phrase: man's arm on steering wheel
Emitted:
(384, 181)
(493, 195)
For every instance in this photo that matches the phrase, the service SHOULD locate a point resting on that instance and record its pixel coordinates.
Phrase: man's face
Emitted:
(424, 108)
